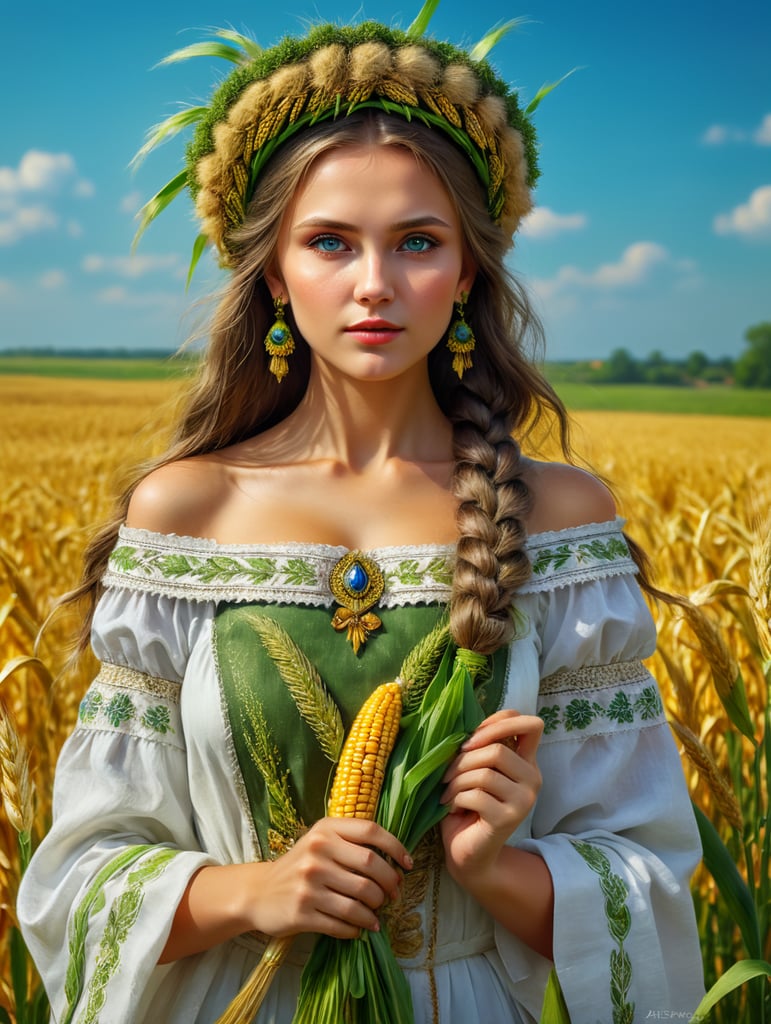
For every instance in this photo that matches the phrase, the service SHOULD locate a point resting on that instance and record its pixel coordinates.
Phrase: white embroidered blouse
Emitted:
(148, 790)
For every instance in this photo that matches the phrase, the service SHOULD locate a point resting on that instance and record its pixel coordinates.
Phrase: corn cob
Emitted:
(354, 794)
(361, 768)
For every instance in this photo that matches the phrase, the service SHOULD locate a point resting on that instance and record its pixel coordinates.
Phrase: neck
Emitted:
(363, 424)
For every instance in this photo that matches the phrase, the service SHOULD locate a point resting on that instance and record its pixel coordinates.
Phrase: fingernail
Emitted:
(375, 927)
(408, 862)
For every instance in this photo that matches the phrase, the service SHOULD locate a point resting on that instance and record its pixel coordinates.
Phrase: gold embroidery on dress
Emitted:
(402, 918)
(594, 677)
(131, 679)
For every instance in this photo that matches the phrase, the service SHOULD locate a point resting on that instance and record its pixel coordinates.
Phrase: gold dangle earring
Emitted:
(279, 342)
(461, 340)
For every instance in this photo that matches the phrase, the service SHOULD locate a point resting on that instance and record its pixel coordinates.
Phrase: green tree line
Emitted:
(752, 369)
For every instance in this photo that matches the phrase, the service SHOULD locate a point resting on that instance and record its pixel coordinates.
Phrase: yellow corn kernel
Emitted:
(361, 768)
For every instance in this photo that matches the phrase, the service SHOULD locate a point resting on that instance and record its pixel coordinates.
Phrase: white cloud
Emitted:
(721, 134)
(37, 172)
(751, 219)
(762, 134)
(74, 229)
(84, 189)
(130, 266)
(633, 269)
(52, 279)
(6, 286)
(25, 220)
(118, 295)
(26, 191)
(131, 203)
(545, 223)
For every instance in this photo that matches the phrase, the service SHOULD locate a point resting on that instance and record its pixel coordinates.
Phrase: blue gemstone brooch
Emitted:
(357, 583)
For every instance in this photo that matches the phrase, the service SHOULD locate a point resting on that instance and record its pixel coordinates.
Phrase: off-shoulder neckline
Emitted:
(133, 534)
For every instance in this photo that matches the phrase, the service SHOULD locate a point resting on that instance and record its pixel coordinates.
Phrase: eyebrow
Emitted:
(402, 225)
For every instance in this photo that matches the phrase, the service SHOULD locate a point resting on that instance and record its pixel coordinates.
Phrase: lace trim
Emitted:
(286, 573)
(123, 700)
(563, 558)
(297, 573)
(599, 699)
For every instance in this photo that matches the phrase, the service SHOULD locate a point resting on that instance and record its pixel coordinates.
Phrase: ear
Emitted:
(468, 276)
(274, 283)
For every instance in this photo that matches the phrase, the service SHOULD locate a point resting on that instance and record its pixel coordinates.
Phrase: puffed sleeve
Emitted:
(98, 899)
(613, 820)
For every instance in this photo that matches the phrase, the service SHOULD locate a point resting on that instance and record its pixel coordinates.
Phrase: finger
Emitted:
(369, 833)
(486, 779)
(494, 815)
(503, 785)
(519, 732)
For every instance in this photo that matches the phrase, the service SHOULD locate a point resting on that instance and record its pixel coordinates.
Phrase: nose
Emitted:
(373, 283)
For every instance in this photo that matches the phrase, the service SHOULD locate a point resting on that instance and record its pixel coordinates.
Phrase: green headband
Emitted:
(330, 73)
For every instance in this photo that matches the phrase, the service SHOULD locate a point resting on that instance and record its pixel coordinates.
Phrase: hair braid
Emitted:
(493, 501)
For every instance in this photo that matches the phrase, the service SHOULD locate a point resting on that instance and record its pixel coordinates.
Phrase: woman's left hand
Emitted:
(491, 787)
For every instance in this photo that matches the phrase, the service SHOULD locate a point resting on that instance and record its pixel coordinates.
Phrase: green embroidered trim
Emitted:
(120, 920)
(258, 571)
(410, 574)
(555, 558)
(615, 890)
(121, 709)
(92, 902)
(215, 569)
(580, 712)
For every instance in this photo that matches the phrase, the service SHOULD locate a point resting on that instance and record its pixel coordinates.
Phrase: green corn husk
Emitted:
(358, 981)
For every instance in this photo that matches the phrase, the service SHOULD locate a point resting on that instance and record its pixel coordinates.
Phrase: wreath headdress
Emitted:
(330, 73)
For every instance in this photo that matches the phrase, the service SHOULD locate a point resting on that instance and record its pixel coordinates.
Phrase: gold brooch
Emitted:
(357, 583)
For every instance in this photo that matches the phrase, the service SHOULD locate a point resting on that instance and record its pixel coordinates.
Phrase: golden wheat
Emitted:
(696, 491)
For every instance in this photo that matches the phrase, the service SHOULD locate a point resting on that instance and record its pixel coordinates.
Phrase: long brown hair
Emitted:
(503, 396)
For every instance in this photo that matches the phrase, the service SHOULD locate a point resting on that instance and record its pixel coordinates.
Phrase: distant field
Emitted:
(94, 369)
(715, 400)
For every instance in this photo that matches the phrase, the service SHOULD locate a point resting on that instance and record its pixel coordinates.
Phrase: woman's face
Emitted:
(371, 259)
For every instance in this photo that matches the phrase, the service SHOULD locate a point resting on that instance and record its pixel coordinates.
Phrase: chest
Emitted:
(354, 510)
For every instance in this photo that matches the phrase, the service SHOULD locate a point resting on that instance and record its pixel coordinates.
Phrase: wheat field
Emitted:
(696, 492)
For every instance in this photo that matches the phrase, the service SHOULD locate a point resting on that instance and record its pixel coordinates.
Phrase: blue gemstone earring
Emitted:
(279, 342)
(461, 340)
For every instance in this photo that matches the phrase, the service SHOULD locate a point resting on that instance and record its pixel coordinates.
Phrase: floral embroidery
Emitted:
(119, 709)
(615, 890)
(551, 717)
(157, 718)
(132, 702)
(410, 573)
(90, 706)
(214, 569)
(579, 713)
(195, 567)
(595, 550)
(122, 917)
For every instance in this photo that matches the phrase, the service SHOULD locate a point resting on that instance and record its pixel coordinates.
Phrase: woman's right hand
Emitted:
(332, 880)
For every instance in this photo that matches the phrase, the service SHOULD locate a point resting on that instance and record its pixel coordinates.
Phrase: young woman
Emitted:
(338, 481)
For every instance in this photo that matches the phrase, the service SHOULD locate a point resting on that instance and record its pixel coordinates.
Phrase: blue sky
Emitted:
(653, 221)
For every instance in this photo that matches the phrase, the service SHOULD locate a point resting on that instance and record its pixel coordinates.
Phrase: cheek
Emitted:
(311, 285)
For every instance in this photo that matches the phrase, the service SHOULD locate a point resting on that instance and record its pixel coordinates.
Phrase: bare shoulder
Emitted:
(565, 496)
(181, 497)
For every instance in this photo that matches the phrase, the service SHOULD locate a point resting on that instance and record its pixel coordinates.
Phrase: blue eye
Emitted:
(327, 243)
(419, 243)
